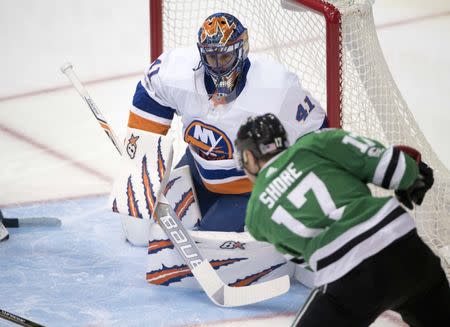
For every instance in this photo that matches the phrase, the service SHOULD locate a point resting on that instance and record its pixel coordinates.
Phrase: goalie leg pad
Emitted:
(138, 181)
(136, 231)
(182, 198)
(238, 259)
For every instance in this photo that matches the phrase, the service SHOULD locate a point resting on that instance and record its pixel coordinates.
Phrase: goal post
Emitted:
(333, 47)
(156, 28)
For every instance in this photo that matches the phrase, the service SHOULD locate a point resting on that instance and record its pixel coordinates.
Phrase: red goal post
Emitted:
(333, 47)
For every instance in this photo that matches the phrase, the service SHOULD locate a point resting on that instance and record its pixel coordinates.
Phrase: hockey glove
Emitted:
(416, 192)
(4, 235)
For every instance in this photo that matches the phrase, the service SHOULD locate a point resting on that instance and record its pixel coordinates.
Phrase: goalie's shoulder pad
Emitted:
(171, 71)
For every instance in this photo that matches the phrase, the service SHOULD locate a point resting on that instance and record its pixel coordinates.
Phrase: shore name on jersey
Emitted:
(279, 185)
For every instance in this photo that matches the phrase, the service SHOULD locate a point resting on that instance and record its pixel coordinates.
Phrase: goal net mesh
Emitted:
(368, 103)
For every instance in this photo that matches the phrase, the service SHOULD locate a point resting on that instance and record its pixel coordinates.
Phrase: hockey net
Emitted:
(334, 49)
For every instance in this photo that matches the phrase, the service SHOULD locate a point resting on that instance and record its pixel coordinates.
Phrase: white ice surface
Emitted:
(85, 274)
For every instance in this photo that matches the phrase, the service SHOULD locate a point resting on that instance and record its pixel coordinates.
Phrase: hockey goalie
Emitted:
(213, 89)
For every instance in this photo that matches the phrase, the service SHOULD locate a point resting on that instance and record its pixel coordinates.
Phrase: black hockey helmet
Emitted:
(263, 135)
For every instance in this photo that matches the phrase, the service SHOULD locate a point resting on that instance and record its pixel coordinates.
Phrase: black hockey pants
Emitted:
(405, 277)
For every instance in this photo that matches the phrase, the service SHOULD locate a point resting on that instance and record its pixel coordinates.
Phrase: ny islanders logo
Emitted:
(209, 142)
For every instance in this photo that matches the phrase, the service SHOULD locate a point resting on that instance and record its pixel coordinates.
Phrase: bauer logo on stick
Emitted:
(132, 146)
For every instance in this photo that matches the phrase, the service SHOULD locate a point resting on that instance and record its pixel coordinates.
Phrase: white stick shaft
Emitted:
(67, 69)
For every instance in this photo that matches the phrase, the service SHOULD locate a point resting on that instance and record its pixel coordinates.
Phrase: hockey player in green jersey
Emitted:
(311, 200)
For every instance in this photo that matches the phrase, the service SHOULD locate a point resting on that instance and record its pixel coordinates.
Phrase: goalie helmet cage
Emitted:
(333, 47)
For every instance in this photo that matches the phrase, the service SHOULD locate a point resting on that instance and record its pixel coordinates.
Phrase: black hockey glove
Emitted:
(416, 192)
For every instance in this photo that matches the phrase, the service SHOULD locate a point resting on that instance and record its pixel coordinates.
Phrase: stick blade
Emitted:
(238, 296)
(210, 282)
(227, 296)
(40, 221)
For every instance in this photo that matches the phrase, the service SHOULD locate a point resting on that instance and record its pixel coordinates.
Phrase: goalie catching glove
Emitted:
(416, 192)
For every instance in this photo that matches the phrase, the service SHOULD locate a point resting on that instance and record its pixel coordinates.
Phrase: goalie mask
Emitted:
(223, 47)
(263, 135)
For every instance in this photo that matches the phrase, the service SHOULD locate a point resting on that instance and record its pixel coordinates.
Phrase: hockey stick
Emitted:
(31, 221)
(28, 222)
(67, 69)
(18, 320)
(219, 292)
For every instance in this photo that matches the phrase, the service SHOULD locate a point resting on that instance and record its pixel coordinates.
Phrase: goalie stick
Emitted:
(18, 320)
(29, 221)
(219, 292)
(67, 69)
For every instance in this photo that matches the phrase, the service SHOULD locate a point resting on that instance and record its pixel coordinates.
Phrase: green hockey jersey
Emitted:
(312, 201)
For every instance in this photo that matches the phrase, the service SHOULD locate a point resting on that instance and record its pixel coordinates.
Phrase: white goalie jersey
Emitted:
(174, 84)
(171, 86)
